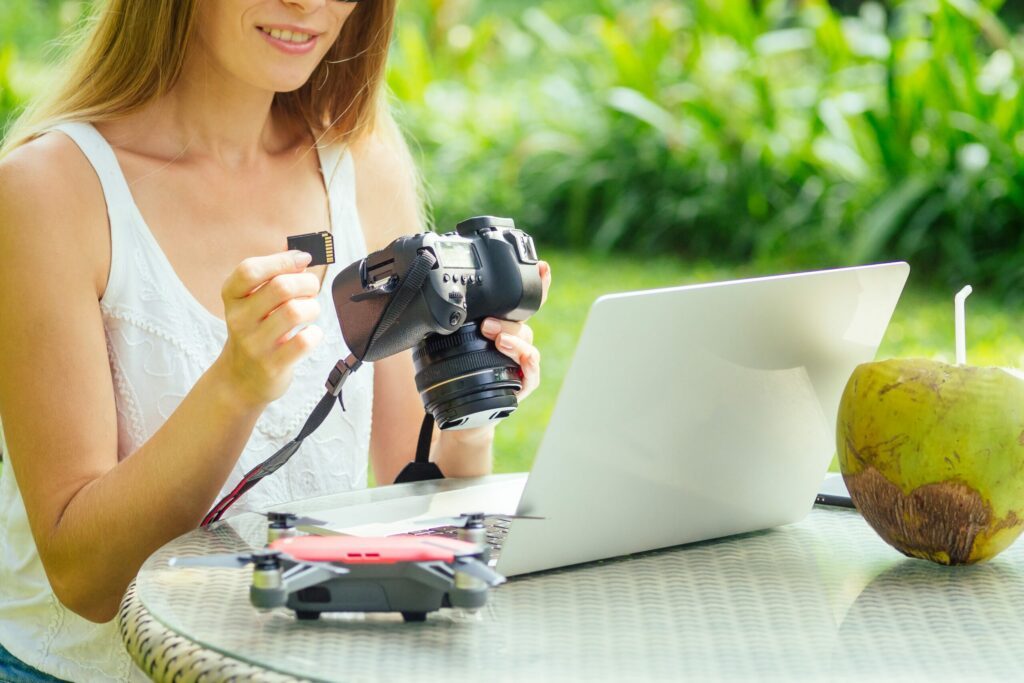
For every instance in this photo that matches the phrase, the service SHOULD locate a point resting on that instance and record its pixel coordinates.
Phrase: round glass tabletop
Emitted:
(822, 599)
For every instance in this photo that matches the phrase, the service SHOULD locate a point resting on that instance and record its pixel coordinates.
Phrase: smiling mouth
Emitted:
(288, 36)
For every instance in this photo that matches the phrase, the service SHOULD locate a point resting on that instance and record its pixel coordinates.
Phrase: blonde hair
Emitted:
(131, 52)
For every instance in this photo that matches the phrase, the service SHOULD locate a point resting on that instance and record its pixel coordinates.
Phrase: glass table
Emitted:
(822, 599)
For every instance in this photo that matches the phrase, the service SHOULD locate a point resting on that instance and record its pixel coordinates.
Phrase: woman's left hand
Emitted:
(515, 340)
(467, 452)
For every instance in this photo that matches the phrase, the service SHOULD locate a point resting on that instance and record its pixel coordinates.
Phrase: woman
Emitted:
(148, 310)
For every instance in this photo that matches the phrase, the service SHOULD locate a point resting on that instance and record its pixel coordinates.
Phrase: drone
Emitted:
(310, 575)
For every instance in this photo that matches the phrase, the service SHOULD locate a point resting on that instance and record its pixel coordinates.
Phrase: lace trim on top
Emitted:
(160, 340)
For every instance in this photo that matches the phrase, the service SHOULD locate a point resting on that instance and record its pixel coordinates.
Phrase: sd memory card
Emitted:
(320, 245)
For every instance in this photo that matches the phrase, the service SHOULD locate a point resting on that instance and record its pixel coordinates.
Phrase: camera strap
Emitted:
(406, 290)
(421, 469)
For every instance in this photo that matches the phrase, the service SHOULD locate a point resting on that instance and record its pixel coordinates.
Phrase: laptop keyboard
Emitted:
(495, 528)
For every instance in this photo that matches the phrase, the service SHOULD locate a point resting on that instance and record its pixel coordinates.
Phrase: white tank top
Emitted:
(160, 339)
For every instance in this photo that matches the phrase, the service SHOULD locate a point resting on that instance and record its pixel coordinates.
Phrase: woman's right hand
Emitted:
(265, 298)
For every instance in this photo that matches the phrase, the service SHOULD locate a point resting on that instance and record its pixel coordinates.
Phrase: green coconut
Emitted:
(933, 456)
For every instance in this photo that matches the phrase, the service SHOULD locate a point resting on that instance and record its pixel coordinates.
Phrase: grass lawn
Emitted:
(922, 326)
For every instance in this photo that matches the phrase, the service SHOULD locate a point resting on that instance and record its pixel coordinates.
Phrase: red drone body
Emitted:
(350, 550)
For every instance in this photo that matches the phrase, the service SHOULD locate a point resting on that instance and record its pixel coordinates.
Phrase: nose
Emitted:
(306, 6)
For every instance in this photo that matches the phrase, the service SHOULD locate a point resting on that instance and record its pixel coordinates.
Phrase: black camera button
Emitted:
(444, 278)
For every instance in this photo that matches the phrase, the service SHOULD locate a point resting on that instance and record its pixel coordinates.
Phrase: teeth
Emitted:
(287, 36)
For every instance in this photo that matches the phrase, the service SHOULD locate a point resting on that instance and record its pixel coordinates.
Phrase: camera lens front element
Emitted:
(464, 380)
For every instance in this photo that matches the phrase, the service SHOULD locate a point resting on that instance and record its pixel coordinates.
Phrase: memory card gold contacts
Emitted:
(319, 245)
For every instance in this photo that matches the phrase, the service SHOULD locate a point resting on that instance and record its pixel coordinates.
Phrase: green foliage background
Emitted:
(651, 143)
(780, 131)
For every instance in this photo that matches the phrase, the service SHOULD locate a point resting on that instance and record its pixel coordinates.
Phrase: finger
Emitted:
(278, 290)
(255, 271)
(285, 318)
(519, 350)
(492, 327)
(299, 346)
(528, 357)
(545, 279)
(531, 380)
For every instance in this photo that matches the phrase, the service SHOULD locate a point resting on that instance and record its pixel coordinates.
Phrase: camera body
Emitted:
(485, 268)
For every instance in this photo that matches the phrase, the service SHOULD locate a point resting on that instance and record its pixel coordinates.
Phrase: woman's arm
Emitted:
(95, 520)
(388, 208)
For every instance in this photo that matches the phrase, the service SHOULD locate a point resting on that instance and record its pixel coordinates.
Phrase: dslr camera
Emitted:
(430, 291)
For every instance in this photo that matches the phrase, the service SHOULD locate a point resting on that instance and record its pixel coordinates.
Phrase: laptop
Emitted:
(688, 413)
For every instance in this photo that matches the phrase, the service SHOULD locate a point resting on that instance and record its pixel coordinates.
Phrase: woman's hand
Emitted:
(467, 452)
(515, 340)
(265, 298)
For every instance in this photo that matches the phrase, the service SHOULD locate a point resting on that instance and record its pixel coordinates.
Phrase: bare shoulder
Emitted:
(52, 211)
(53, 245)
(386, 194)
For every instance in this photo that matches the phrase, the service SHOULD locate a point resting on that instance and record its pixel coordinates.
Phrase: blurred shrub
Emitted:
(30, 25)
(28, 33)
(777, 131)
(9, 100)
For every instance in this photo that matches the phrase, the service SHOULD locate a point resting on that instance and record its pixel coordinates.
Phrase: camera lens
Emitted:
(464, 381)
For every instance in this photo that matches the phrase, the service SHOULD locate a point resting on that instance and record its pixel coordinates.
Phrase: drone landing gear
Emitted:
(304, 615)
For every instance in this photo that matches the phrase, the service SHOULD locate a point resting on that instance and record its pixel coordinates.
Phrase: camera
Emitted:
(429, 292)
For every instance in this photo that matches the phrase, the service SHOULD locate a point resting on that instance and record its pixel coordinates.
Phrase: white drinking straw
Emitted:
(958, 323)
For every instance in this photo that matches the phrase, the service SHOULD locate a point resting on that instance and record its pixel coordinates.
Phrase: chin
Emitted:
(291, 87)
(288, 83)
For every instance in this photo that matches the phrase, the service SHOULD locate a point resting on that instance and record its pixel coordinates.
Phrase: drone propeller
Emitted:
(230, 561)
(479, 570)
(289, 519)
(269, 559)
(468, 518)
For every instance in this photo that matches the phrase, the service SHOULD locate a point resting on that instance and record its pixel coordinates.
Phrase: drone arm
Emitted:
(436, 575)
(305, 575)
(479, 570)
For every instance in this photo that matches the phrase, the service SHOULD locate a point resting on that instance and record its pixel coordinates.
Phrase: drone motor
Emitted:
(283, 525)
